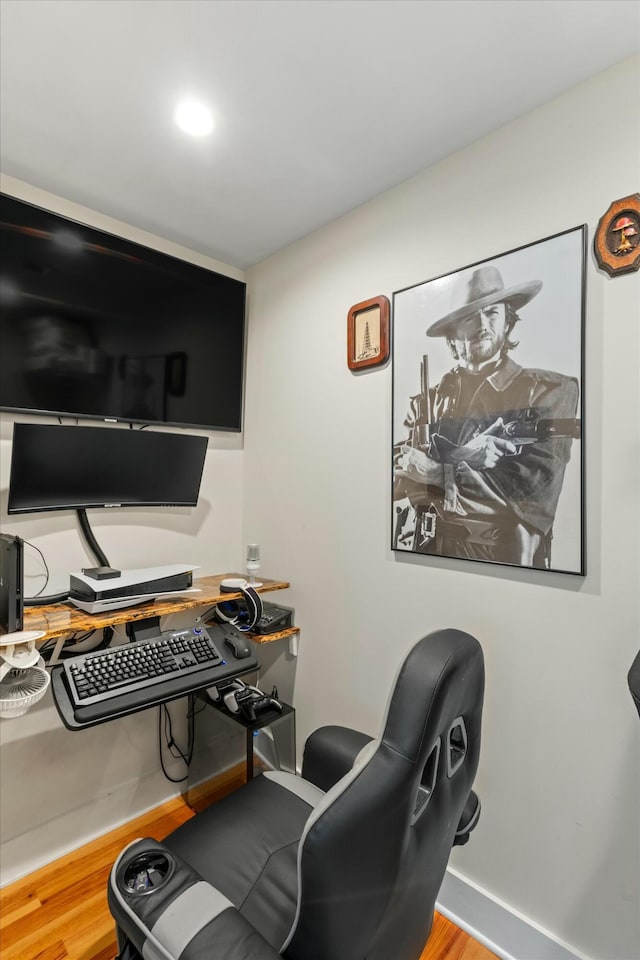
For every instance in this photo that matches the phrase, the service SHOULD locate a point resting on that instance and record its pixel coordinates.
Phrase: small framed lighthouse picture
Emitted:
(368, 333)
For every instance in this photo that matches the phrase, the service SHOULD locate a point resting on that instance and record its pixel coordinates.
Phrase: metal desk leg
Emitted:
(249, 755)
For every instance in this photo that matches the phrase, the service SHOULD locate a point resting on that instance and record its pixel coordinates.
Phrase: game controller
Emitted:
(250, 708)
(248, 702)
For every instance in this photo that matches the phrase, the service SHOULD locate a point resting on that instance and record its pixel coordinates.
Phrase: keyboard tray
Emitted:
(81, 717)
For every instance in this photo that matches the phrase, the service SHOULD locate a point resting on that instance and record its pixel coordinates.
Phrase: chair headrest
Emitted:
(441, 679)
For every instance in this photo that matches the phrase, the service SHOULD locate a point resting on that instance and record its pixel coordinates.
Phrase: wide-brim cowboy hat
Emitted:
(479, 289)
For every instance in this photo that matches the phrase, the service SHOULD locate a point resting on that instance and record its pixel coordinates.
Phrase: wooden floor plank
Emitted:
(57, 951)
(17, 895)
(60, 911)
(18, 910)
(450, 942)
(42, 932)
(94, 940)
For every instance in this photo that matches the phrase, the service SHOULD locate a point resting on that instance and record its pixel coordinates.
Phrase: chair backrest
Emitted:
(374, 851)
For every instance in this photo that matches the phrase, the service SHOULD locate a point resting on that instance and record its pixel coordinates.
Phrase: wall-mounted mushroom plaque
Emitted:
(617, 240)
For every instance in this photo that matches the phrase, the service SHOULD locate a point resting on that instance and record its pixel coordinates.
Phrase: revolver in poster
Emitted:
(533, 429)
(420, 433)
(521, 431)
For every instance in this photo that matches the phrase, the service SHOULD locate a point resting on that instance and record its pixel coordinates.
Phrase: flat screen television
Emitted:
(94, 326)
(57, 467)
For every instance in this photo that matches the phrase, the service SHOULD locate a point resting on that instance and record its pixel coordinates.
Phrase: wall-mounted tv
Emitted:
(94, 326)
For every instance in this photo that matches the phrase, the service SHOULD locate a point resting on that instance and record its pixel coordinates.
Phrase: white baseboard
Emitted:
(506, 933)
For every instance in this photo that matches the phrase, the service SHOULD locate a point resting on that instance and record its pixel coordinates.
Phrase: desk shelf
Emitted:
(60, 619)
(284, 743)
(276, 635)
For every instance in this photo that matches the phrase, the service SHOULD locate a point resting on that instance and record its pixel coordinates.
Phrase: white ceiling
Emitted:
(319, 104)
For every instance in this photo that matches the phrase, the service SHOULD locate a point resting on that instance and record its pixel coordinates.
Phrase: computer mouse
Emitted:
(238, 645)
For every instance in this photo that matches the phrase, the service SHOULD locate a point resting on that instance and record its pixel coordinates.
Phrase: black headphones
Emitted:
(241, 614)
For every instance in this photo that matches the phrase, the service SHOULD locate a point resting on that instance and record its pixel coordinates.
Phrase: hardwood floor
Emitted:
(448, 942)
(60, 912)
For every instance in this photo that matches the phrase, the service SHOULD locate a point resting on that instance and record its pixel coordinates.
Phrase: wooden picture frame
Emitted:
(368, 333)
(617, 241)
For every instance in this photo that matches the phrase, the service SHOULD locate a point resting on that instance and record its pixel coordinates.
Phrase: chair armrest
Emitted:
(329, 753)
(468, 820)
(181, 916)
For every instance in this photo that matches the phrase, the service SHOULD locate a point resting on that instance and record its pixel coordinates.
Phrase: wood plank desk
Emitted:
(60, 619)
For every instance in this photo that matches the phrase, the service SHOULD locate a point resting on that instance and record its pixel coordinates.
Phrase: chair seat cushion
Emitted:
(246, 846)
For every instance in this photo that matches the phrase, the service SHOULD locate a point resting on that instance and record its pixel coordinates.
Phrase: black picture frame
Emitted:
(488, 410)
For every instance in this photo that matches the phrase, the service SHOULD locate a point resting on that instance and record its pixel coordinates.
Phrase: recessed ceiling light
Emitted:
(194, 118)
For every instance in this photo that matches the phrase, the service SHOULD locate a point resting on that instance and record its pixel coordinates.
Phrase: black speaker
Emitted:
(11, 584)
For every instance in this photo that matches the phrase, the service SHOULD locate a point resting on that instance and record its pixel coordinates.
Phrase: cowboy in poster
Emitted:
(480, 469)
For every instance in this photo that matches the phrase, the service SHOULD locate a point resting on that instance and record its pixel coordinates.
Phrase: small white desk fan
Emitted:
(23, 678)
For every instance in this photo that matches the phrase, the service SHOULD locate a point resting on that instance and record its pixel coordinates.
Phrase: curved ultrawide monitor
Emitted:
(56, 467)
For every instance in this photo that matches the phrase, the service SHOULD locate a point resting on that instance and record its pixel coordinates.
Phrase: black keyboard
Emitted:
(102, 674)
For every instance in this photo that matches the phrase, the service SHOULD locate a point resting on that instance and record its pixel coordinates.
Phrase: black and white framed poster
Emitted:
(488, 370)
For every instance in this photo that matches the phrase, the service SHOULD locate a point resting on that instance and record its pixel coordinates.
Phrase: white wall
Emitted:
(61, 788)
(559, 776)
